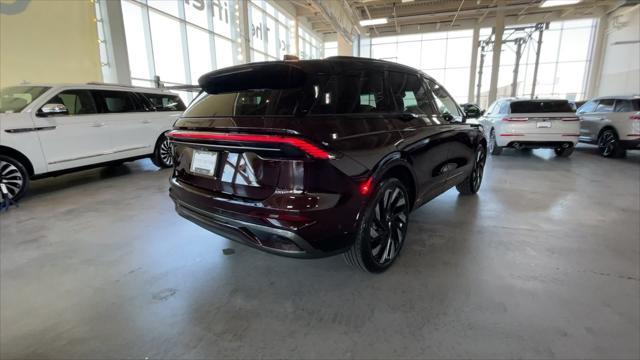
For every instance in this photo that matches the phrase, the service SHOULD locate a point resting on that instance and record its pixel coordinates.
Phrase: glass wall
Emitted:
(564, 60)
(330, 48)
(180, 40)
(446, 56)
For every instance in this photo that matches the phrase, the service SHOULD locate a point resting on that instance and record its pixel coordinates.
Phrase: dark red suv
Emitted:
(318, 157)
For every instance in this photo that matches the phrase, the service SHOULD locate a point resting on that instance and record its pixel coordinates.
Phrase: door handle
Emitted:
(98, 125)
(145, 121)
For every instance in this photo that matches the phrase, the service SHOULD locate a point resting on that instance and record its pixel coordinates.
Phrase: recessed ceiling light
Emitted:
(372, 22)
(550, 3)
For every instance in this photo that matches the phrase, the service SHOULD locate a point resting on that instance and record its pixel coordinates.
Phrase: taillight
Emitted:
(365, 187)
(515, 119)
(569, 119)
(634, 117)
(298, 143)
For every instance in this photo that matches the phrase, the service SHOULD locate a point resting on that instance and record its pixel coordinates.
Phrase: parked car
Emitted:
(612, 123)
(48, 130)
(473, 111)
(531, 124)
(319, 157)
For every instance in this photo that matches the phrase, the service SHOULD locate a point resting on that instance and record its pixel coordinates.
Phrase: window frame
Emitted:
(93, 102)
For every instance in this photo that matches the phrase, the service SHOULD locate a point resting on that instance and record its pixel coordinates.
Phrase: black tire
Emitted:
(472, 183)
(494, 149)
(162, 155)
(382, 231)
(14, 176)
(609, 144)
(564, 152)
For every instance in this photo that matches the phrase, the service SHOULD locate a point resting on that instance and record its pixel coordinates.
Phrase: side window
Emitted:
(410, 94)
(445, 103)
(605, 105)
(77, 102)
(492, 108)
(589, 106)
(109, 101)
(165, 102)
(353, 93)
(623, 106)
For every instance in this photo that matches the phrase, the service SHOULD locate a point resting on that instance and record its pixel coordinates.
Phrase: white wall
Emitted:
(620, 74)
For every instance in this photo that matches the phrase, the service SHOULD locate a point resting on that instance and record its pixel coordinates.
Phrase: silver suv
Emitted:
(612, 123)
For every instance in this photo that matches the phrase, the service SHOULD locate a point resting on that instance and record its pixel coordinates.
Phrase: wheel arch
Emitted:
(607, 127)
(400, 169)
(11, 152)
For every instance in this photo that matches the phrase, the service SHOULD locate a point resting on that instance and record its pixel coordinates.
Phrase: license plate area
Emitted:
(543, 124)
(203, 163)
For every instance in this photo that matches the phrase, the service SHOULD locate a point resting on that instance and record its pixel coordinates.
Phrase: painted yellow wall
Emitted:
(51, 41)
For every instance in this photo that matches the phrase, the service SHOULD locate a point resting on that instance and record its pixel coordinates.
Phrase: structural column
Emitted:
(116, 44)
(245, 32)
(497, 50)
(345, 46)
(474, 62)
(595, 69)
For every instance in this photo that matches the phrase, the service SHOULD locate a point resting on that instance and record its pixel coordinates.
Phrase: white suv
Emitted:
(612, 123)
(531, 124)
(52, 129)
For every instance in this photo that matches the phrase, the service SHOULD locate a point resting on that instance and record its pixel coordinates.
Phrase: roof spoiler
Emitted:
(270, 75)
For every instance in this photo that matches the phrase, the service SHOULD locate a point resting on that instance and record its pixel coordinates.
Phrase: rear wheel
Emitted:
(162, 155)
(609, 144)
(494, 149)
(383, 229)
(14, 177)
(472, 183)
(564, 152)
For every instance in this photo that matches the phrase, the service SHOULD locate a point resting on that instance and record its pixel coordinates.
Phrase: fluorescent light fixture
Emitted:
(407, 1)
(550, 3)
(372, 22)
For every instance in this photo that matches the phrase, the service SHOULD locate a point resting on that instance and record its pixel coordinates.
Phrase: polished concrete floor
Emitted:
(543, 263)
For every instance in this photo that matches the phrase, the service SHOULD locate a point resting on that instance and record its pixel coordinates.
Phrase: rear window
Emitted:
(540, 107)
(347, 93)
(161, 102)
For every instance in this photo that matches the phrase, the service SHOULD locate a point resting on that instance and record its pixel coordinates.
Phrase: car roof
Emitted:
(621, 97)
(100, 86)
(531, 100)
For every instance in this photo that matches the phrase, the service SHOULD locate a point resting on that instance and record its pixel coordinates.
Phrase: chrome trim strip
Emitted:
(224, 146)
(22, 130)
(101, 154)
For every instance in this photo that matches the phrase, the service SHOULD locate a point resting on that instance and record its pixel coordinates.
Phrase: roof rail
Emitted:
(108, 84)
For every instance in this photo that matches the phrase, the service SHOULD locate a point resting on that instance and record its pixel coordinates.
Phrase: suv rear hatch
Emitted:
(542, 117)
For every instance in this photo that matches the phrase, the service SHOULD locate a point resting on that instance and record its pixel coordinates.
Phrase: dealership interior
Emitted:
(543, 262)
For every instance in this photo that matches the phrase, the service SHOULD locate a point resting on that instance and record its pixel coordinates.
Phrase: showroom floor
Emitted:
(543, 263)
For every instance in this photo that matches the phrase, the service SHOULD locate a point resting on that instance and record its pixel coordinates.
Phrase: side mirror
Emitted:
(473, 113)
(482, 112)
(53, 109)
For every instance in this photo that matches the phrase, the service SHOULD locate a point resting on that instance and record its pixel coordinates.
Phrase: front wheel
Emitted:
(162, 155)
(13, 178)
(383, 229)
(471, 184)
(609, 144)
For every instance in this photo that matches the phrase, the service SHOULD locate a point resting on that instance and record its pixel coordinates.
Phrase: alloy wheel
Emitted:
(607, 143)
(166, 155)
(478, 169)
(492, 141)
(388, 226)
(11, 178)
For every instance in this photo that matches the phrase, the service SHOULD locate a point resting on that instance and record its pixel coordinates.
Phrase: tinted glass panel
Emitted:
(16, 98)
(409, 94)
(165, 102)
(444, 102)
(590, 106)
(627, 105)
(504, 107)
(114, 101)
(360, 92)
(78, 102)
(605, 105)
(540, 106)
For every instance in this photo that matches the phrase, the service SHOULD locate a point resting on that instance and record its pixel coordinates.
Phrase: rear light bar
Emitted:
(570, 119)
(515, 119)
(634, 117)
(300, 144)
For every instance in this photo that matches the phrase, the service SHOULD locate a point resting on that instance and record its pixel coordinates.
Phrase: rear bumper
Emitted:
(536, 141)
(325, 233)
(630, 144)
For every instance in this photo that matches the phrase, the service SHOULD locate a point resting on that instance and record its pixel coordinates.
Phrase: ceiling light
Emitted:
(550, 3)
(372, 22)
